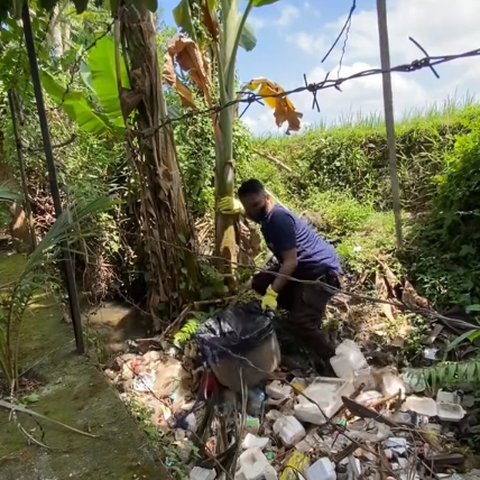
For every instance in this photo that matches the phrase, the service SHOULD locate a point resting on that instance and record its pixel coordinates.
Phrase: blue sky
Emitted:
(294, 35)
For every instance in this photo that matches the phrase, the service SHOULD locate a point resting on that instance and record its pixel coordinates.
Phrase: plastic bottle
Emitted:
(256, 399)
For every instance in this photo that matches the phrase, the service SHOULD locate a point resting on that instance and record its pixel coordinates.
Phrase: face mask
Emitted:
(260, 215)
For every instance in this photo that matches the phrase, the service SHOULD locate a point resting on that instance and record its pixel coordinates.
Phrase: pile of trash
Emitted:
(365, 424)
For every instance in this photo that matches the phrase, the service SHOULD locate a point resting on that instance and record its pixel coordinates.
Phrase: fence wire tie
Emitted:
(417, 44)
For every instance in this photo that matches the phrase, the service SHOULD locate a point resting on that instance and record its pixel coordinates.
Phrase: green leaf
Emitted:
(247, 38)
(183, 18)
(473, 308)
(261, 3)
(476, 334)
(80, 5)
(151, 5)
(75, 105)
(457, 341)
(101, 62)
(32, 398)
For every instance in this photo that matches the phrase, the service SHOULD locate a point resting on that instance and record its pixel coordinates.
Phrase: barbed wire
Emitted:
(249, 98)
(400, 305)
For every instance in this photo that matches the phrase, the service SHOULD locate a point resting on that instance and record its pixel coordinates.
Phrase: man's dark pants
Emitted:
(306, 304)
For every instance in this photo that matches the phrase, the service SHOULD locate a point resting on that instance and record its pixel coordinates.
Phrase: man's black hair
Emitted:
(251, 187)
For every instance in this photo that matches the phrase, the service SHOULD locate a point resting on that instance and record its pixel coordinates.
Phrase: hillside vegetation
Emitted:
(341, 178)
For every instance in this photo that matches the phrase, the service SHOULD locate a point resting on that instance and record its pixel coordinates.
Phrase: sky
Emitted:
(294, 35)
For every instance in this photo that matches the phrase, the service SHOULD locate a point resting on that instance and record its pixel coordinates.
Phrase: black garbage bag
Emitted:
(234, 331)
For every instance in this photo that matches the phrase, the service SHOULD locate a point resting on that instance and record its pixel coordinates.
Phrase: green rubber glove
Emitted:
(269, 300)
(230, 206)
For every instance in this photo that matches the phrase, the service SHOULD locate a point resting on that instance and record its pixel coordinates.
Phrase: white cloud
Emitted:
(288, 14)
(441, 26)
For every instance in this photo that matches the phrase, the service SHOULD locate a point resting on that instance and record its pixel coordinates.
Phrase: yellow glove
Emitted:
(269, 300)
(230, 206)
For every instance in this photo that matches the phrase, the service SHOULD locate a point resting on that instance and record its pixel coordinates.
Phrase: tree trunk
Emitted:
(166, 228)
(225, 235)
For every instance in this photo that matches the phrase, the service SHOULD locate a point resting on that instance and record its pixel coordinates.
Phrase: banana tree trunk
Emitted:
(165, 225)
(225, 237)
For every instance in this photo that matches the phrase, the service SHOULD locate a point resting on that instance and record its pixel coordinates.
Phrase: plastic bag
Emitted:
(234, 331)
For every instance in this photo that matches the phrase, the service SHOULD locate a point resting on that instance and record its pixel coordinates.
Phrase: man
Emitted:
(302, 254)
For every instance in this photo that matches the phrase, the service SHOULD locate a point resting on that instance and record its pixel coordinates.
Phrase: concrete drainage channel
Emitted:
(365, 424)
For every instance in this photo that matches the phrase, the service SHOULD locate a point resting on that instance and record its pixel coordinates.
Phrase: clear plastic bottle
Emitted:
(256, 399)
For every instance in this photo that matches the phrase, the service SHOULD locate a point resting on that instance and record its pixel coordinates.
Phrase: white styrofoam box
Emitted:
(278, 390)
(254, 465)
(322, 469)
(327, 393)
(252, 441)
(348, 359)
(422, 405)
(447, 397)
(198, 473)
(289, 429)
(450, 412)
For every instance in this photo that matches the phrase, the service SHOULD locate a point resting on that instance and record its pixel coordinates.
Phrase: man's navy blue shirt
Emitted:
(283, 231)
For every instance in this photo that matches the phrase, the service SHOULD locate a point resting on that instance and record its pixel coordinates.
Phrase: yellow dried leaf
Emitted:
(284, 109)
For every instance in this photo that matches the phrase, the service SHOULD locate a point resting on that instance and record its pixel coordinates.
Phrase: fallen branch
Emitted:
(17, 408)
(274, 160)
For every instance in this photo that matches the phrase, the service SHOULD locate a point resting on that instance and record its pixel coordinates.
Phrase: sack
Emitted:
(234, 331)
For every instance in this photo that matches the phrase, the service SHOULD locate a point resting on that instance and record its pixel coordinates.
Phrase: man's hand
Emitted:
(269, 300)
(230, 206)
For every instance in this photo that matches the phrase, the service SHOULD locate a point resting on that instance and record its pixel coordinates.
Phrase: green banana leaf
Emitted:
(76, 106)
(101, 63)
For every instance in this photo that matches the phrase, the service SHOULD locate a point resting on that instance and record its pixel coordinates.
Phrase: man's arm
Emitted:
(288, 267)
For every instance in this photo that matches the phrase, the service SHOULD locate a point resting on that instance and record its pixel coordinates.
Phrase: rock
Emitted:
(254, 465)
(252, 441)
(278, 390)
(289, 429)
(198, 473)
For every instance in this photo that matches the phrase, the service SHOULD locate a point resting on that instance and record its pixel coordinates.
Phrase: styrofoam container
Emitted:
(327, 393)
(348, 359)
(322, 469)
(254, 465)
(289, 429)
(422, 405)
(450, 412)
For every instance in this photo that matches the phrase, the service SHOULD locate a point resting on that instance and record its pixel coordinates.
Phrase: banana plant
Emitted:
(97, 108)
(209, 55)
